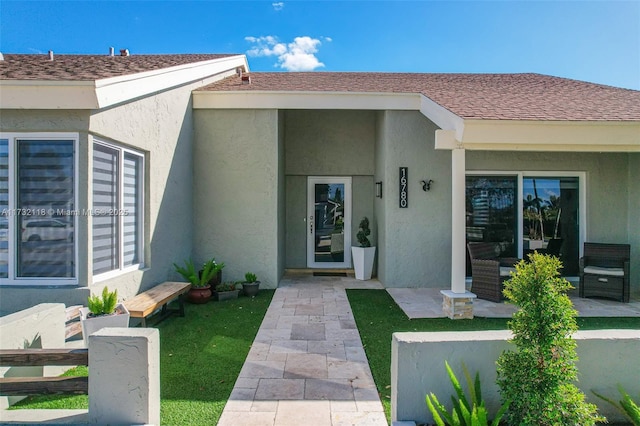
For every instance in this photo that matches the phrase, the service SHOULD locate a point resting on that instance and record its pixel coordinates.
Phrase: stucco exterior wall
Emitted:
(235, 190)
(417, 367)
(327, 143)
(161, 127)
(415, 241)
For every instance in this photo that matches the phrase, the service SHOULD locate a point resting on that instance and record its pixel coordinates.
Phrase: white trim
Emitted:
(102, 93)
(311, 182)
(13, 234)
(116, 273)
(203, 99)
(442, 117)
(551, 136)
(520, 175)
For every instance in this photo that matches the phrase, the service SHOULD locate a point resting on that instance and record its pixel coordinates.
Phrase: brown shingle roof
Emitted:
(471, 96)
(90, 67)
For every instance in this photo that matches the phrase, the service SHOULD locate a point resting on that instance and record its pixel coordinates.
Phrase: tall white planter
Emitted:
(92, 324)
(363, 261)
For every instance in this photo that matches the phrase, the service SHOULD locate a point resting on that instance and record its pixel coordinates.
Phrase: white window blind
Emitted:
(105, 200)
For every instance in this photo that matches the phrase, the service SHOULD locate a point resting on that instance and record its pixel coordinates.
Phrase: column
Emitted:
(457, 303)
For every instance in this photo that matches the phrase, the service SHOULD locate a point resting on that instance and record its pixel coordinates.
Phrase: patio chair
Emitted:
(604, 271)
(489, 271)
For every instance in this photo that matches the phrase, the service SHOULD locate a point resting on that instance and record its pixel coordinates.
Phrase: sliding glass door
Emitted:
(522, 212)
(550, 218)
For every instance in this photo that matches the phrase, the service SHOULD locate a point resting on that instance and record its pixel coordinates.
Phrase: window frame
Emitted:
(140, 207)
(520, 175)
(12, 234)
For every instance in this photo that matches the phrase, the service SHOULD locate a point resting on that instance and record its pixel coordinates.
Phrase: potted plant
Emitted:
(103, 311)
(227, 291)
(216, 274)
(251, 285)
(200, 291)
(363, 256)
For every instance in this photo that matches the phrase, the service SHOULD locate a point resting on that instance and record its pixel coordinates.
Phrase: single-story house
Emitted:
(113, 167)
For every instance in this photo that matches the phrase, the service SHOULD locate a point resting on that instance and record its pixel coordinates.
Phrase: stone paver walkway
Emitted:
(307, 365)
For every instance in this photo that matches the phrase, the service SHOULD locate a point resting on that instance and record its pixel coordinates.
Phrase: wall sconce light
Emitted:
(379, 189)
(426, 184)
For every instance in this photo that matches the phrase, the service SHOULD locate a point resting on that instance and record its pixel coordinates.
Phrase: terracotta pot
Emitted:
(199, 294)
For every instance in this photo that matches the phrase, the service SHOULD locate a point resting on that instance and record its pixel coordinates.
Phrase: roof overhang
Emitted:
(205, 99)
(574, 136)
(97, 94)
(455, 131)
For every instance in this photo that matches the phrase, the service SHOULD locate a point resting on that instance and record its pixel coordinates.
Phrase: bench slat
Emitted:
(147, 302)
(21, 386)
(40, 357)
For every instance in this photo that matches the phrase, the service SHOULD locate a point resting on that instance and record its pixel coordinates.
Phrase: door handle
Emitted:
(310, 225)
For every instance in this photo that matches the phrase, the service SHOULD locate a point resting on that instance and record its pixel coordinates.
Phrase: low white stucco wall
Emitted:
(606, 358)
(41, 326)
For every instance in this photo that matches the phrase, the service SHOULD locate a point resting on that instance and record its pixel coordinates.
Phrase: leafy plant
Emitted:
(539, 377)
(250, 277)
(228, 286)
(626, 405)
(363, 233)
(105, 305)
(199, 279)
(463, 413)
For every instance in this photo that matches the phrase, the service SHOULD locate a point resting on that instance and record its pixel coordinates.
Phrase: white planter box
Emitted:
(93, 324)
(363, 261)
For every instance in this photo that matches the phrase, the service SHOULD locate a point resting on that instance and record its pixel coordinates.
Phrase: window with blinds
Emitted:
(117, 208)
(37, 201)
(4, 208)
(45, 185)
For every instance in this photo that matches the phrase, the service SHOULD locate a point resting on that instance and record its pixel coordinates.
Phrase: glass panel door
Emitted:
(491, 213)
(329, 222)
(550, 219)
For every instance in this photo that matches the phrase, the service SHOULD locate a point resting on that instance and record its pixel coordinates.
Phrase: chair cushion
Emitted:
(505, 271)
(598, 270)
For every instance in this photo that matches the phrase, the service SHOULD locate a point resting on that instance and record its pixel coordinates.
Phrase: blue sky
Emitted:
(596, 41)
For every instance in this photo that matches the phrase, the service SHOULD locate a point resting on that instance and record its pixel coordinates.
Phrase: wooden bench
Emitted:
(146, 303)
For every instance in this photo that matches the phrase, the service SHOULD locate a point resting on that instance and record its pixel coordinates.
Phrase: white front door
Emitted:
(329, 222)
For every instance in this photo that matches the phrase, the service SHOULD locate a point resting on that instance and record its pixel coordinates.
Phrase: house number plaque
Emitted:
(404, 193)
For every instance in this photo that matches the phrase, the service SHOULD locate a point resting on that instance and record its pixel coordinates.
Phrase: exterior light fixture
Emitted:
(379, 189)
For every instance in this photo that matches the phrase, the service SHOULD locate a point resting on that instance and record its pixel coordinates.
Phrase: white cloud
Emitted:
(278, 6)
(299, 55)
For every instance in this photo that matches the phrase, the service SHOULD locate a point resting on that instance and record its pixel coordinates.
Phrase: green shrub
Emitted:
(364, 232)
(105, 305)
(250, 277)
(626, 405)
(538, 378)
(463, 413)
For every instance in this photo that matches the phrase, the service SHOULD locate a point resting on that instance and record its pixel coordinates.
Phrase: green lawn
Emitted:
(378, 317)
(200, 358)
(202, 353)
